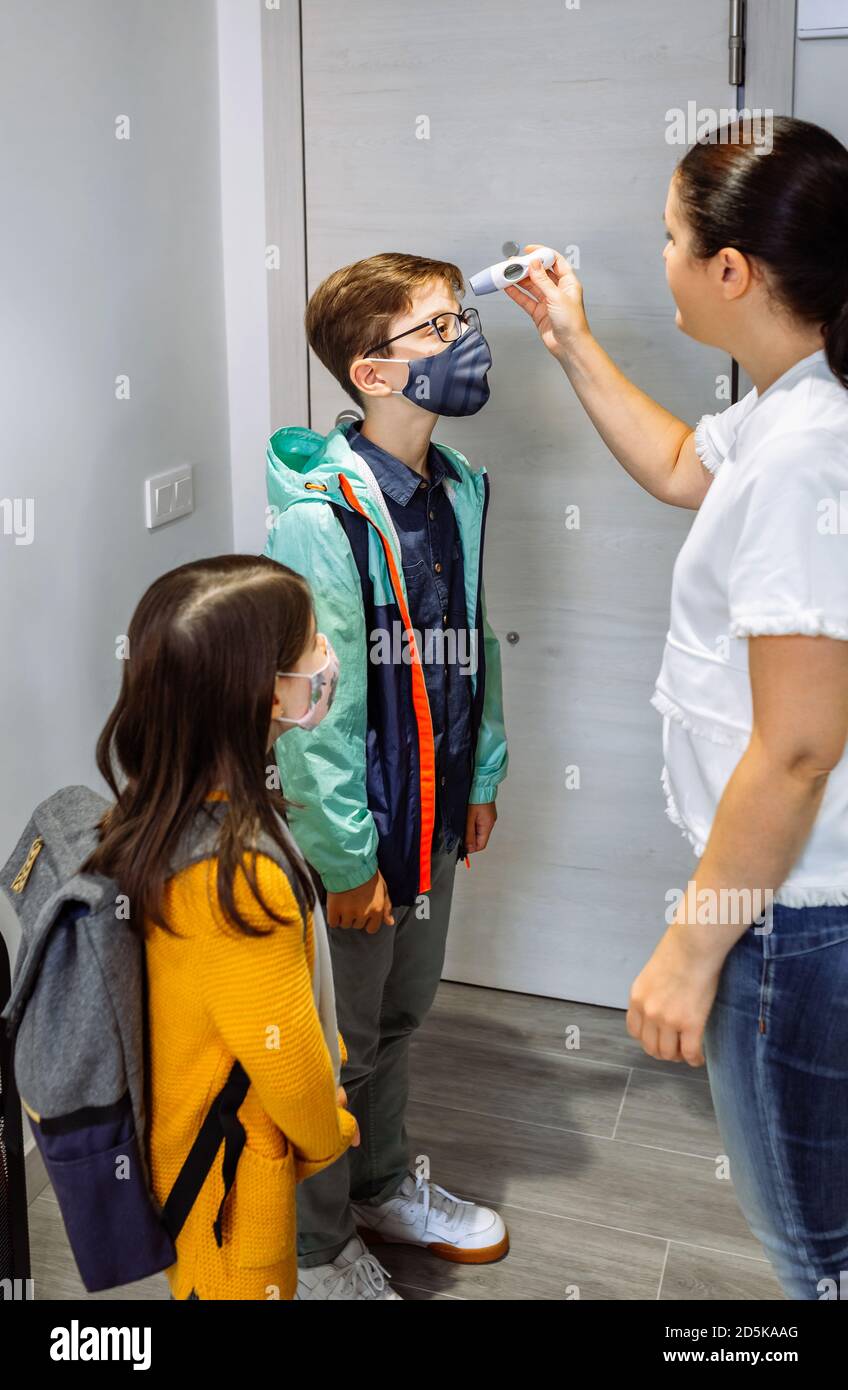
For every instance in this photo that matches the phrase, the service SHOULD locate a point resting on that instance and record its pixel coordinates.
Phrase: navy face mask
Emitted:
(451, 382)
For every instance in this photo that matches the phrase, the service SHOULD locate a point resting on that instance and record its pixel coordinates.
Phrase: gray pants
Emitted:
(385, 985)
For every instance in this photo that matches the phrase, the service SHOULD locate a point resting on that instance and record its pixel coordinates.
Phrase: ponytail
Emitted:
(836, 344)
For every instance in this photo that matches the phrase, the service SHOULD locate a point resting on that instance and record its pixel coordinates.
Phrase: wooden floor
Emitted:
(601, 1161)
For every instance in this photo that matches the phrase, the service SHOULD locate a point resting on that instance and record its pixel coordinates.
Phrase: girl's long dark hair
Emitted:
(787, 206)
(193, 717)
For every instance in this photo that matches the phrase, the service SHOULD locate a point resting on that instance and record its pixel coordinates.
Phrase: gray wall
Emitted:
(112, 263)
(821, 82)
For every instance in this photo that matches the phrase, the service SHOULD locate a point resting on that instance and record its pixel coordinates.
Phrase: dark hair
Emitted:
(193, 716)
(355, 306)
(787, 206)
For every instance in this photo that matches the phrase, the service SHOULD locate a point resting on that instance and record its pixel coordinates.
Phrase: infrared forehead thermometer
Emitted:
(497, 277)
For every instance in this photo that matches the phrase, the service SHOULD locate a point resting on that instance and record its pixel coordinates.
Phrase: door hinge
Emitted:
(736, 43)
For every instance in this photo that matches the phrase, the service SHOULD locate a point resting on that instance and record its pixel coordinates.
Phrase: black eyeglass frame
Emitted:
(463, 316)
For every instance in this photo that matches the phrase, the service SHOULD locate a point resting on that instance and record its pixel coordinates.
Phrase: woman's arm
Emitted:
(654, 446)
(799, 687)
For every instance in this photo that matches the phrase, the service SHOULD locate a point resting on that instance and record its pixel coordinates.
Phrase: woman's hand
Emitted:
(554, 300)
(654, 446)
(670, 1001)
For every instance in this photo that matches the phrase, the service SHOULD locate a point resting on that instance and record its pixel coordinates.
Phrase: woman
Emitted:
(753, 687)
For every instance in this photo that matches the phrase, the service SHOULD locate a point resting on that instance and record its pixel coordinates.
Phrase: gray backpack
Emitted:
(77, 1019)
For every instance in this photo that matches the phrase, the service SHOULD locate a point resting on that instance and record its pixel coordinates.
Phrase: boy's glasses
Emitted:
(449, 327)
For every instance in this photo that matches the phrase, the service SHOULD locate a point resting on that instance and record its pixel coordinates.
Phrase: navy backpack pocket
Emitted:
(94, 1164)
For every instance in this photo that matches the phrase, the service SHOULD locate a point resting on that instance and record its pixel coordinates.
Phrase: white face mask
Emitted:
(322, 689)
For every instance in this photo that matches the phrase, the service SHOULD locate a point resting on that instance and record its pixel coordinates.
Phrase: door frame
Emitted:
(285, 210)
(769, 84)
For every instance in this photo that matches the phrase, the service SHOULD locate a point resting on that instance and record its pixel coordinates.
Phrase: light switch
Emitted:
(164, 501)
(184, 495)
(168, 496)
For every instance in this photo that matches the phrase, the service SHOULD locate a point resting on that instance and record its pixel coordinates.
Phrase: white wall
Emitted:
(111, 256)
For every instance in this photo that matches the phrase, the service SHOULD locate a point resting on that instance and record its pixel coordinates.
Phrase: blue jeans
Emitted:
(776, 1047)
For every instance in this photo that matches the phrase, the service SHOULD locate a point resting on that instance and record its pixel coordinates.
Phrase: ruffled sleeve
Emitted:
(714, 434)
(789, 568)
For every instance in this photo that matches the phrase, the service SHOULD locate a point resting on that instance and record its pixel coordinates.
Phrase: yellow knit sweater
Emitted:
(215, 995)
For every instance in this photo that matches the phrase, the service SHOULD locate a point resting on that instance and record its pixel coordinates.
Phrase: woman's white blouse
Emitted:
(767, 553)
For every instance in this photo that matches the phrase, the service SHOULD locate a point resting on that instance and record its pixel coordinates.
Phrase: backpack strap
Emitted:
(221, 1123)
(14, 1240)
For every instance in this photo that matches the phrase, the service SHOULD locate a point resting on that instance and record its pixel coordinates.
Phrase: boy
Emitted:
(399, 780)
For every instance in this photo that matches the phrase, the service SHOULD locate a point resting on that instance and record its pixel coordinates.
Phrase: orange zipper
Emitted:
(420, 703)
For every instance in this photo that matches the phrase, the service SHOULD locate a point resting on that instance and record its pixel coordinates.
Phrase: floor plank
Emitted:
(549, 1258)
(704, 1275)
(609, 1182)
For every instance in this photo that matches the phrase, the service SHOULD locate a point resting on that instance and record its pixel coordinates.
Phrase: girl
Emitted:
(223, 658)
(753, 688)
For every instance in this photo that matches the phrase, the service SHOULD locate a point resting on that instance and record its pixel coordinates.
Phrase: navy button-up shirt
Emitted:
(434, 574)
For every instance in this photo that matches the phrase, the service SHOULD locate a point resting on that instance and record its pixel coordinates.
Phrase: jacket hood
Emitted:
(304, 466)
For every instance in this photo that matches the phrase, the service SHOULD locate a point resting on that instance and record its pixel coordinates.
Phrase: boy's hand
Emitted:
(341, 1101)
(367, 906)
(479, 822)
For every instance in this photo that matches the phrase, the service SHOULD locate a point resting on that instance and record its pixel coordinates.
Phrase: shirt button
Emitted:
(442, 781)
(437, 567)
(444, 617)
(422, 484)
(432, 516)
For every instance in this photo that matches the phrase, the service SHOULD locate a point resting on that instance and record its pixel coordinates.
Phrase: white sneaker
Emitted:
(355, 1273)
(421, 1213)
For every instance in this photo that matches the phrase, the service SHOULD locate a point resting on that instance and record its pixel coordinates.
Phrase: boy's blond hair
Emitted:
(353, 309)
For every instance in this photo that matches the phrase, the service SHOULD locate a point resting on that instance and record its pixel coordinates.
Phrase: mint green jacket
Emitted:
(325, 769)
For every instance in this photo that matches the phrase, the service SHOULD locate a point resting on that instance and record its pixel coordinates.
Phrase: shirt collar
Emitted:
(396, 479)
(804, 364)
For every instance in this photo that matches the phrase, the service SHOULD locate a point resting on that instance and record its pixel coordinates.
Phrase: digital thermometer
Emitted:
(497, 277)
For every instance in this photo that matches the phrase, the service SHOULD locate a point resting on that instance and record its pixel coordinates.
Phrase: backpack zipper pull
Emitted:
(19, 882)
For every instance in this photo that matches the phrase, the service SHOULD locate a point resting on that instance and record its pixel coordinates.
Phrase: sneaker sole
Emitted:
(485, 1255)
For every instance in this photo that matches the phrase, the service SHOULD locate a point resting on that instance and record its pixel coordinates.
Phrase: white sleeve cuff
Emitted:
(808, 622)
(704, 447)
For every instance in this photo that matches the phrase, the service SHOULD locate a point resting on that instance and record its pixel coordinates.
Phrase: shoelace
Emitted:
(365, 1271)
(435, 1198)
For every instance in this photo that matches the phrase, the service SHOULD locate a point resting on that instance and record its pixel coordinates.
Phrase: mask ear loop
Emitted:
(405, 360)
(304, 676)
